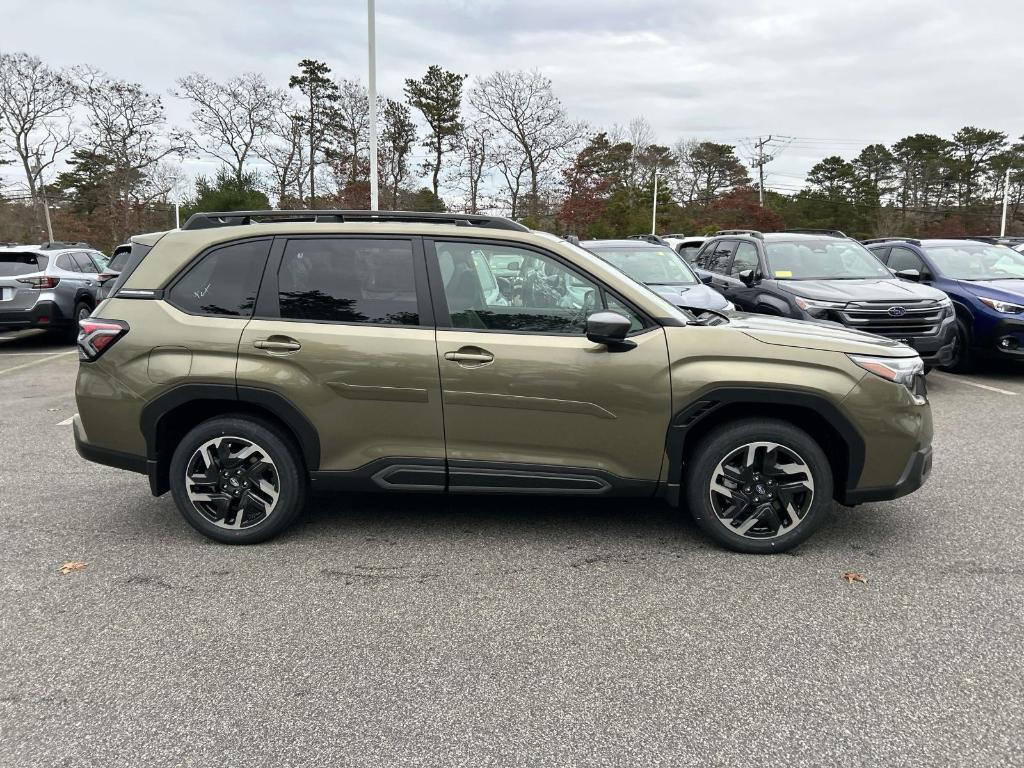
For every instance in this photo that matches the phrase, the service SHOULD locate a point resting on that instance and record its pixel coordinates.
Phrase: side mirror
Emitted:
(748, 277)
(610, 329)
(909, 274)
(706, 279)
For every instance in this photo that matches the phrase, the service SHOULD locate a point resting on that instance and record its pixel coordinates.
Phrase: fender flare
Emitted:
(278, 405)
(684, 420)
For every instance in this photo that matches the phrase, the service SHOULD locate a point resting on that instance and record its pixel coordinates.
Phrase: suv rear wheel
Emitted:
(237, 480)
(759, 486)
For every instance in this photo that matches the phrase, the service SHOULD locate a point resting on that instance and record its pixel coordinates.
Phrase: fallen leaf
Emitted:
(74, 565)
(852, 576)
(51, 410)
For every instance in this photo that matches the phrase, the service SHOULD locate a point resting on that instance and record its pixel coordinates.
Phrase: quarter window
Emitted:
(65, 262)
(224, 282)
(347, 280)
(541, 297)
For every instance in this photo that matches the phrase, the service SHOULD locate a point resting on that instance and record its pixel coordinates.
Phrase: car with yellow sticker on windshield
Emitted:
(823, 275)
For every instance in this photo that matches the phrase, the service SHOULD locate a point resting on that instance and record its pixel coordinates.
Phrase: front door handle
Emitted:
(472, 355)
(278, 344)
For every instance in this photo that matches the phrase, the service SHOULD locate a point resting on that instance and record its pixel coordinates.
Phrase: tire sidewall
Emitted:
(716, 446)
(291, 476)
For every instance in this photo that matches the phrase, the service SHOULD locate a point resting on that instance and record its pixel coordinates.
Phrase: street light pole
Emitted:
(654, 207)
(372, 35)
(1006, 194)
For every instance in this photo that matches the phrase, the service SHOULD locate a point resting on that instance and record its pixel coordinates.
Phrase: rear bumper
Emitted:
(44, 314)
(106, 456)
(916, 472)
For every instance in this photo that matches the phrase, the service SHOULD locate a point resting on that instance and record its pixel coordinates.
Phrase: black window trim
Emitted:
(268, 304)
(194, 262)
(732, 243)
(444, 321)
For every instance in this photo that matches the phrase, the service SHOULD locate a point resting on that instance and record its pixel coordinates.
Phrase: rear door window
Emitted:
(224, 281)
(348, 280)
(904, 258)
(14, 264)
(716, 256)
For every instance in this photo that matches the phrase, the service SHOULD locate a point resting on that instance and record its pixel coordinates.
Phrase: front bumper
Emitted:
(1007, 340)
(939, 349)
(44, 314)
(914, 475)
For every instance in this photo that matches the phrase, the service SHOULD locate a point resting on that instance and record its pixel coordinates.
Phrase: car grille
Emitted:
(919, 318)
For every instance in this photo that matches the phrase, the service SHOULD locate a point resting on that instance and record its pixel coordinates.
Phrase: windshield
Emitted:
(965, 261)
(651, 266)
(826, 259)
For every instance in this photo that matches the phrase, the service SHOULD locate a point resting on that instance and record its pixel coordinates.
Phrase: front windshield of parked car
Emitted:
(651, 266)
(826, 259)
(966, 261)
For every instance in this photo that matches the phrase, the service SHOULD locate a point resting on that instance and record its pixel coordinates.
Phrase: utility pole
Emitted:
(1006, 194)
(654, 207)
(759, 163)
(46, 206)
(372, 35)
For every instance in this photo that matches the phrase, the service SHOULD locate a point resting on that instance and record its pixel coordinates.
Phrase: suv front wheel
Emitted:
(758, 486)
(237, 480)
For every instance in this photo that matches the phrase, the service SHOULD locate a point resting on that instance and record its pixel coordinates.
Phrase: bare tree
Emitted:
(473, 157)
(523, 105)
(283, 147)
(230, 117)
(513, 165)
(352, 127)
(35, 111)
(126, 127)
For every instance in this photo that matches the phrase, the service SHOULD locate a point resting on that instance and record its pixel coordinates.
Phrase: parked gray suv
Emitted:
(50, 286)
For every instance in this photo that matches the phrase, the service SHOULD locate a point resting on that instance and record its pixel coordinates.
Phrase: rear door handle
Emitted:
(278, 345)
(480, 357)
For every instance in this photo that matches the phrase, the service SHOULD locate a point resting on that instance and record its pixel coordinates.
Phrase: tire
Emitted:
(721, 456)
(239, 508)
(82, 310)
(963, 358)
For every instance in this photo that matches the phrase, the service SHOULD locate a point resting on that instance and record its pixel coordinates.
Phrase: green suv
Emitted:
(252, 357)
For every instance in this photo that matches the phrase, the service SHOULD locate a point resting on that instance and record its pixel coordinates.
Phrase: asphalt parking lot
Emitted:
(422, 631)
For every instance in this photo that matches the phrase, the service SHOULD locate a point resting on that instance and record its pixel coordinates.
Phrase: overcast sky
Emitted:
(836, 75)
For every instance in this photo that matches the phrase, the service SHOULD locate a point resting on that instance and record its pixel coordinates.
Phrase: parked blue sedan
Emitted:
(985, 282)
(662, 270)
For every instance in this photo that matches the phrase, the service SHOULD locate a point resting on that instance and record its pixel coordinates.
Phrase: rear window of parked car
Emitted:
(348, 280)
(14, 264)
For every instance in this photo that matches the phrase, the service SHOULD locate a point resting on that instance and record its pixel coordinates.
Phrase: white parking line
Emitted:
(67, 421)
(23, 366)
(968, 382)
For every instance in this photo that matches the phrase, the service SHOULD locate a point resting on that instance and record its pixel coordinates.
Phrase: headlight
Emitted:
(947, 307)
(1006, 307)
(908, 371)
(813, 306)
(729, 307)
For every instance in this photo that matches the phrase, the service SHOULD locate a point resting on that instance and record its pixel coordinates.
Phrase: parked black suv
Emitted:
(824, 275)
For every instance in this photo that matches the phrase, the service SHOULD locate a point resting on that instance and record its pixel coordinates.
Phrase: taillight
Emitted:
(104, 276)
(97, 336)
(40, 283)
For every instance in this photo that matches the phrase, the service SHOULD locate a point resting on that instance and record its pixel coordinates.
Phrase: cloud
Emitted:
(874, 70)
